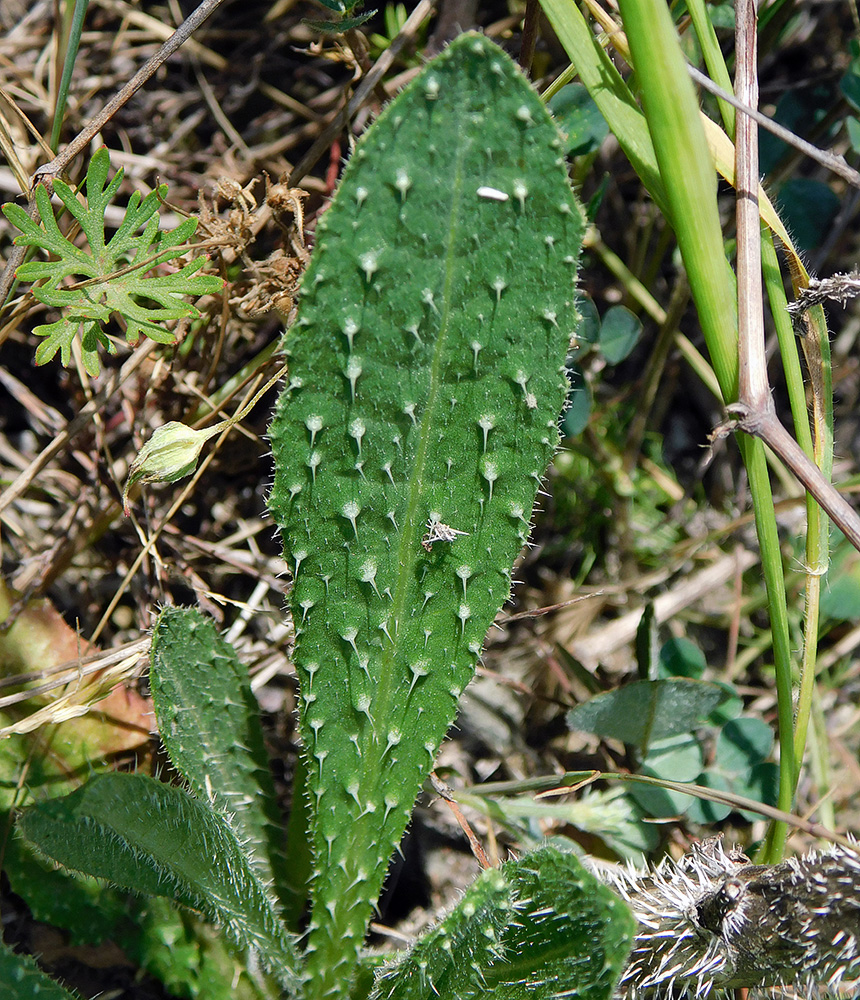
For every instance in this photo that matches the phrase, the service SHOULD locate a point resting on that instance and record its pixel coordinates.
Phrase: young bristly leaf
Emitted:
(210, 723)
(107, 277)
(541, 927)
(450, 959)
(426, 383)
(22, 979)
(156, 839)
(571, 936)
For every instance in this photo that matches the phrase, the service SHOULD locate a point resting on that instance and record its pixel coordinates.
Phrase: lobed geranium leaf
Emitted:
(107, 278)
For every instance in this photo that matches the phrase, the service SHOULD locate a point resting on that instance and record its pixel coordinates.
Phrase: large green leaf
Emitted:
(157, 840)
(426, 382)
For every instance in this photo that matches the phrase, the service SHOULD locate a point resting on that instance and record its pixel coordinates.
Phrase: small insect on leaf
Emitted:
(438, 532)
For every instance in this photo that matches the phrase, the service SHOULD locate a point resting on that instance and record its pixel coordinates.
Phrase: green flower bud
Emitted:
(172, 451)
(170, 454)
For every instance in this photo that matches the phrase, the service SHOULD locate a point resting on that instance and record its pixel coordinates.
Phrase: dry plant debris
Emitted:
(225, 124)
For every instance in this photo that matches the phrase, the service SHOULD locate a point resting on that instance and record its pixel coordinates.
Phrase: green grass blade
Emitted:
(625, 117)
(714, 59)
(609, 91)
(689, 178)
(73, 42)
(817, 349)
(686, 170)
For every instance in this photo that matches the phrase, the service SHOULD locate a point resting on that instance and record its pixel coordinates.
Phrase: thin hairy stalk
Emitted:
(559, 784)
(821, 451)
(834, 162)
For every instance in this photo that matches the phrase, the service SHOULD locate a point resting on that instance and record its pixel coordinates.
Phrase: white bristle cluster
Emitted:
(713, 923)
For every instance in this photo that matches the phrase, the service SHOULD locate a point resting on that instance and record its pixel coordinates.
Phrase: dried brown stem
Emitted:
(447, 794)
(49, 171)
(529, 36)
(753, 388)
(833, 162)
(754, 412)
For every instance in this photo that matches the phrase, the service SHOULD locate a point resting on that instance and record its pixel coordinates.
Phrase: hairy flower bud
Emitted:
(172, 451)
(170, 454)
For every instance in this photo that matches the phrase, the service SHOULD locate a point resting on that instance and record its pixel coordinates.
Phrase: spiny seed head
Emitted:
(713, 923)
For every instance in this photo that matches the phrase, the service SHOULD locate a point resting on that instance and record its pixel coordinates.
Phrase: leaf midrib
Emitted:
(407, 551)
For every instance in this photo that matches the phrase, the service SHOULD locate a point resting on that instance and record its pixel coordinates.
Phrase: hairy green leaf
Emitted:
(572, 934)
(155, 839)
(452, 958)
(180, 950)
(209, 720)
(426, 382)
(22, 979)
(539, 928)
